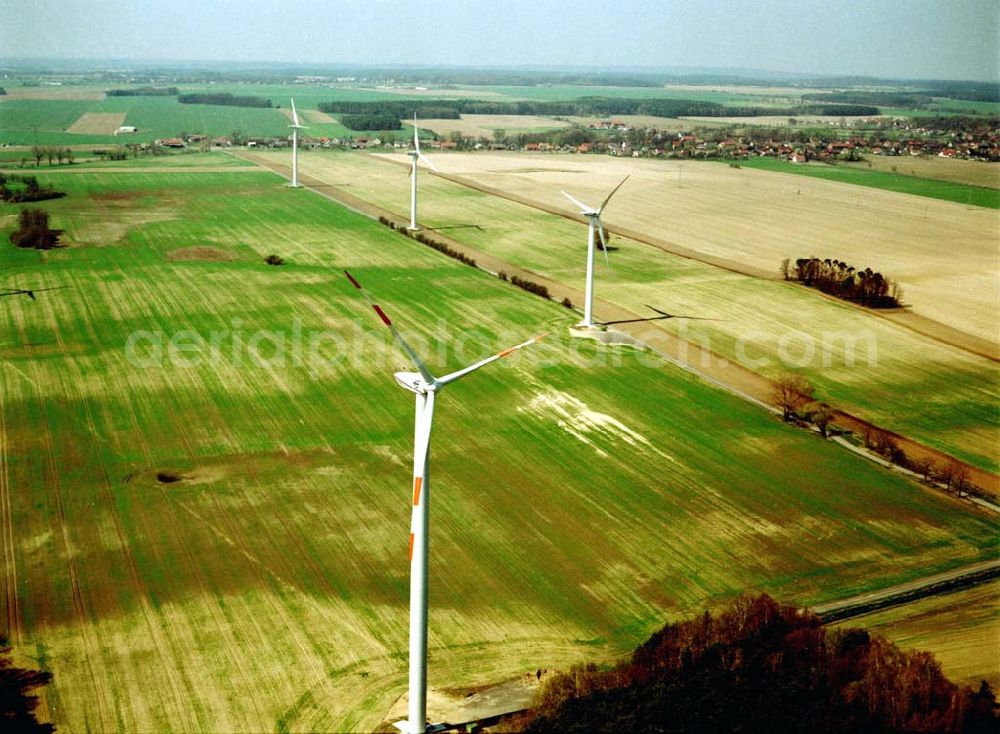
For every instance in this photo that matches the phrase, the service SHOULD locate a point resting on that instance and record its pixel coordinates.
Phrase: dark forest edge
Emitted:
(225, 99)
(17, 698)
(761, 666)
(584, 106)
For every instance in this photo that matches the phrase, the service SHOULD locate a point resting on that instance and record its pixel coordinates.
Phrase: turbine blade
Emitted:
(472, 368)
(295, 115)
(416, 138)
(604, 242)
(584, 209)
(662, 313)
(427, 160)
(615, 189)
(414, 357)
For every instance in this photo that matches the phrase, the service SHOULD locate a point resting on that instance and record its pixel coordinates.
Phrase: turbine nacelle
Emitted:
(415, 383)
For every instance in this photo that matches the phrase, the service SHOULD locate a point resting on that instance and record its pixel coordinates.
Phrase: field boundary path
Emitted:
(941, 583)
(709, 365)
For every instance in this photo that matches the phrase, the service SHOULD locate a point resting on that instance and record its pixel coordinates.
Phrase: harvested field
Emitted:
(97, 123)
(944, 254)
(484, 125)
(974, 173)
(54, 94)
(318, 117)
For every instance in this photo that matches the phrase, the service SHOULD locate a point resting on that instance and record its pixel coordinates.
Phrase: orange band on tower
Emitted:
(417, 481)
(411, 546)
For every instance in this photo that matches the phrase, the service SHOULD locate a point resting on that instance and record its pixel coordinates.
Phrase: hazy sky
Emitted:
(955, 39)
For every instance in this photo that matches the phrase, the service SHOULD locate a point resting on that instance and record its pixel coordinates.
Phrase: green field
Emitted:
(900, 183)
(581, 496)
(888, 383)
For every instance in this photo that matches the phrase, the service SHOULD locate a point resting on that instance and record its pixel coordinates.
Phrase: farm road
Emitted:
(652, 334)
(960, 578)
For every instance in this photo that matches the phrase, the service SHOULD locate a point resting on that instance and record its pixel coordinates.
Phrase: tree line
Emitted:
(371, 121)
(837, 278)
(16, 189)
(224, 98)
(144, 92)
(51, 153)
(795, 396)
(761, 666)
(584, 106)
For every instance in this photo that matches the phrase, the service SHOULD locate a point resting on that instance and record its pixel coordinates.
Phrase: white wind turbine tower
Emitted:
(415, 154)
(424, 386)
(295, 146)
(594, 217)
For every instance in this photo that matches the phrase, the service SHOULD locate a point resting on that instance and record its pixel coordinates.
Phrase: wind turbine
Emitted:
(295, 147)
(594, 218)
(425, 387)
(414, 155)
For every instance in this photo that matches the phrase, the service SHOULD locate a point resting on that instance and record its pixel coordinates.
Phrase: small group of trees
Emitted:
(954, 475)
(51, 153)
(224, 98)
(530, 286)
(33, 230)
(432, 243)
(795, 396)
(839, 279)
(21, 189)
(762, 666)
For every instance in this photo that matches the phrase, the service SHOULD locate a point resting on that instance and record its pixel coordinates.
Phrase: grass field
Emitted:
(962, 629)
(581, 497)
(888, 180)
(755, 316)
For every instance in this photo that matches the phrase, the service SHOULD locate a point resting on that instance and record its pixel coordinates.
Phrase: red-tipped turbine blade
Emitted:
(414, 357)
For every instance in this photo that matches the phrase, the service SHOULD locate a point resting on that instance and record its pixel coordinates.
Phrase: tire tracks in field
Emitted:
(90, 644)
(12, 605)
(689, 355)
(149, 614)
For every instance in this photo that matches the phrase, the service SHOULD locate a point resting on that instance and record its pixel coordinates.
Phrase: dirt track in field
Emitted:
(716, 369)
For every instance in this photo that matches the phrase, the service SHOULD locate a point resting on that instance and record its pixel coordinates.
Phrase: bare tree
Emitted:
(822, 417)
(925, 467)
(786, 269)
(960, 478)
(789, 392)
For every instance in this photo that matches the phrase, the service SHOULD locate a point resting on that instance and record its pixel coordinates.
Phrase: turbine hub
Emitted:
(414, 382)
